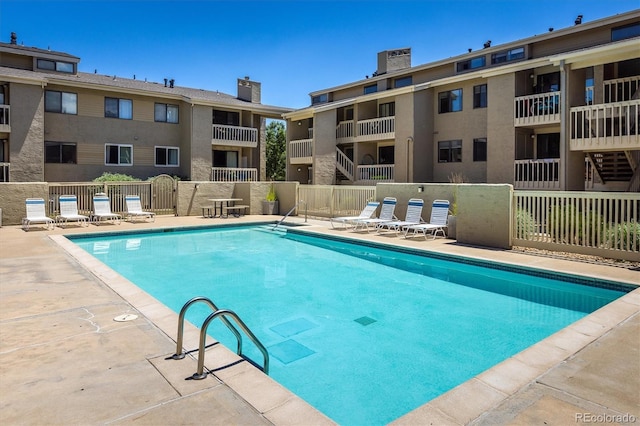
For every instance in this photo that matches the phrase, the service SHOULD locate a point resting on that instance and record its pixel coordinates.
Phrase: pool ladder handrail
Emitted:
(222, 313)
(291, 211)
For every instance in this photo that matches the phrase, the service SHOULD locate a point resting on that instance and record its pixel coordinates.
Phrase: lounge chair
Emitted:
(366, 213)
(36, 214)
(134, 209)
(386, 215)
(413, 217)
(437, 222)
(102, 210)
(69, 211)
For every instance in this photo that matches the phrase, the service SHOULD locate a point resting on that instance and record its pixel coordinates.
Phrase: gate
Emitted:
(163, 195)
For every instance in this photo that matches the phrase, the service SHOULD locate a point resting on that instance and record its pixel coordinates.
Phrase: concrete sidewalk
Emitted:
(64, 360)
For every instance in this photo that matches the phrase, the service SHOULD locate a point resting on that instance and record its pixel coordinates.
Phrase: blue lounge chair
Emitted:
(437, 222)
(413, 217)
(386, 215)
(134, 209)
(36, 214)
(102, 210)
(69, 211)
(366, 213)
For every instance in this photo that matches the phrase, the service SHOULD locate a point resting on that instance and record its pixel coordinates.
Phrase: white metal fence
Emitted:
(234, 174)
(332, 201)
(594, 223)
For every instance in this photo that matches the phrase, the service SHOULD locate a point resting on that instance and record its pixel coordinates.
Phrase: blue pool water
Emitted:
(362, 333)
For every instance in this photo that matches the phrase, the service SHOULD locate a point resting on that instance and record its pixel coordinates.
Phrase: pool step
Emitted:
(272, 229)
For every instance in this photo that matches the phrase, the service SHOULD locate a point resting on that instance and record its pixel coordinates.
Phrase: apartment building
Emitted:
(556, 111)
(58, 124)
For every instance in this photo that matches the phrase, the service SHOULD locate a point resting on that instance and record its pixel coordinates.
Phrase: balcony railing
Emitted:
(301, 151)
(612, 127)
(375, 173)
(4, 172)
(233, 174)
(234, 136)
(345, 130)
(621, 89)
(543, 108)
(5, 119)
(537, 174)
(376, 129)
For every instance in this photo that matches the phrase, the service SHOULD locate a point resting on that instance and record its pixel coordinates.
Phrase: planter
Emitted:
(270, 207)
(451, 227)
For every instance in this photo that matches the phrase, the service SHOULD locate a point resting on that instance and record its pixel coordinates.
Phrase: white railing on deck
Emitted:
(375, 173)
(345, 130)
(621, 89)
(537, 174)
(611, 126)
(301, 148)
(597, 223)
(344, 164)
(5, 118)
(333, 201)
(4, 172)
(84, 191)
(233, 174)
(235, 135)
(537, 109)
(376, 128)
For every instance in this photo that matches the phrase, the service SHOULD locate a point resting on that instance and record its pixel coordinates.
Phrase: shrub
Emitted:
(622, 234)
(562, 215)
(525, 224)
(115, 177)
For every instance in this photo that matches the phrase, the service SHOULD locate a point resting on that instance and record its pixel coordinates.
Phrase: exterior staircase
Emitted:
(344, 168)
(617, 166)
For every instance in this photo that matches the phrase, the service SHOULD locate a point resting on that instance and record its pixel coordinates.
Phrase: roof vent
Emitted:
(14, 38)
(171, 82)
(487, 44)
(578, 20)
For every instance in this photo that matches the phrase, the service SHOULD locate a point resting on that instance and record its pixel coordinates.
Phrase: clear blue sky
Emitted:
(291, 47)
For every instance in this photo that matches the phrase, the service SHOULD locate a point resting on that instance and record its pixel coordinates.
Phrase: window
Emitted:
(450, 151)
(480, 96)
(118, 155)
(480, 149)
(387, 110)
(471, 64)
(45, 64)
(403, 81)
(386, 154)
(508, 55)
(230, 118)
(548, 82)
(547, 145)
(628, 31)
(450, 101)
(166, 113)
(167, 156)
(372, 88)
(60, 152)
(225, 158)
(320, 99)
(61, 102)
(118, 108)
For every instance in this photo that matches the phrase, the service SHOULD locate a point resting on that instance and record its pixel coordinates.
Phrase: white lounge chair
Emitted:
(386, 215)
(437, 222)
(69, 211)
(413, 217)
(36, 214)
(366, 213)
(102, 210)
(134, 209)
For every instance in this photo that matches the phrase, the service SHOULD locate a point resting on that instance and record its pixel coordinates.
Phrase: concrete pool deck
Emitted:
(64, 360)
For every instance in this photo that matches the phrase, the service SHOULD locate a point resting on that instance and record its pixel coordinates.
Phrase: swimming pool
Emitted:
(383, 309)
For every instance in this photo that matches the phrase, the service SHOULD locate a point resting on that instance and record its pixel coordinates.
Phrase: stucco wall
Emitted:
(324, 149)
(13, 196)
(26, 142)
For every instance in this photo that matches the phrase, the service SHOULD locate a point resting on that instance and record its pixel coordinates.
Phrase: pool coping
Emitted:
(489, 389)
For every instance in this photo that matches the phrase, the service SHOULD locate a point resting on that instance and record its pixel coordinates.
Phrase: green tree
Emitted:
(276, 152)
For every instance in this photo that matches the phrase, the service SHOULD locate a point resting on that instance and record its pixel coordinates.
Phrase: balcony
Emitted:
(606, 127)
(537, 174)
(376, 129)
(233, 174)
(246, 137)
(345, 132)
(301, 151)
(540, 109)
(5, 123)
(375, 173)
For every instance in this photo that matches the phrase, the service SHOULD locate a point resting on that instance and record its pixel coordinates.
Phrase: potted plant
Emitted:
(270, 203)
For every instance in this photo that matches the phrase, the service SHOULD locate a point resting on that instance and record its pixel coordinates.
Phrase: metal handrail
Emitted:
(200, 374)
(291, 211)
(180, 354)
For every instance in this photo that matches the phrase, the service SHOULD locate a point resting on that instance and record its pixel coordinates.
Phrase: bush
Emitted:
(562, 215)
(115, 177)
(525, 224)
(622, 234)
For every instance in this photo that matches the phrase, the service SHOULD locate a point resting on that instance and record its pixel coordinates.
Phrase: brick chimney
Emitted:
(393, 60)
(249, 90)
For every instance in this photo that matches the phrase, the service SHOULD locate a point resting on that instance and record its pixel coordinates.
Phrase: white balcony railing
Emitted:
(344, 130)
(543, 108)
(234, 136)
(376, 128)
(301, 150)
(5, 119)
(375, 173)
(621, 89)
(4, 172)
(537, 174)
(233, 174)
(606, 127)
